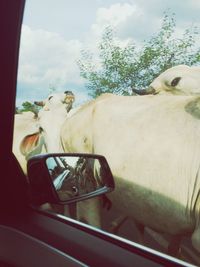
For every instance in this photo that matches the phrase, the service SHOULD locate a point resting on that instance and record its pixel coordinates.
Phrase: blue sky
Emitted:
(55, 31)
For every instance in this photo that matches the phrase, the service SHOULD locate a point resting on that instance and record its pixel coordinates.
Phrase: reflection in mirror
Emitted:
(75, 176)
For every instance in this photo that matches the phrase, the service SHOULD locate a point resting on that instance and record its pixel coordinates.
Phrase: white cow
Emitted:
(52, 115)
(178, 80)
(152, 145)
(25, 125)
(30, 131)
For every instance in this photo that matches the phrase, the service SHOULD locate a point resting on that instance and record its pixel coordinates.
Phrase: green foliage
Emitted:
(123, 68)
(27, 106)
(17, 110)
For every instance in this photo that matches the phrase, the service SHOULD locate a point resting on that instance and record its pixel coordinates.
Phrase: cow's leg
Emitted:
(174, 246)
(66, 210)
(196, 235)
(140, 228)
(107, 203)
(70, 211)
(53, 208)
(89, 211)
(117, 223)
(57, 208)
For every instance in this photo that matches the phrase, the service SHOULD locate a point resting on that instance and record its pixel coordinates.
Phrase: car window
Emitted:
(119, 79)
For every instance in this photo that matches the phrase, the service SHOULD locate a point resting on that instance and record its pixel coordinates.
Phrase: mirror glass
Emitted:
(75, 176)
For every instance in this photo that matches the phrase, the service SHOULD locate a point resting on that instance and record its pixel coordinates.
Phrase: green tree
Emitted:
(17, 110)
(123, 68)
(28, 106)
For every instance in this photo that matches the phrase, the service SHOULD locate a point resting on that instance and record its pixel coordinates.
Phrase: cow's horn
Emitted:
(39, 103)
(68, 93)
(149, 91)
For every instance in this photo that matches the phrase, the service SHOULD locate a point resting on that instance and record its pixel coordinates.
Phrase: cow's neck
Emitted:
(51, 122)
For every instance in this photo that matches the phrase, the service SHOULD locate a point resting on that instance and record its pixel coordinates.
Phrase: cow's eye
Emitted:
(50, 97)
(175, 81)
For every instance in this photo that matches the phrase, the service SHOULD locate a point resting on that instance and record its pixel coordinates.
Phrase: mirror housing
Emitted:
(64, 178)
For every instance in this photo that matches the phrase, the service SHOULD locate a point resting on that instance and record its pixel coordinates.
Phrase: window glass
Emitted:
(145, 56)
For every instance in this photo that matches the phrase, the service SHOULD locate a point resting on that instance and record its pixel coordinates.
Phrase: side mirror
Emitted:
(66, 178)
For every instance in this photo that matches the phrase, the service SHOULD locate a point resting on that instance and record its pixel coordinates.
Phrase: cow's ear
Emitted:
(31, 143)
(175, 81)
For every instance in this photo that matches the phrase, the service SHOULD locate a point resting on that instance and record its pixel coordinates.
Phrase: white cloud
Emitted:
(129, 21)
(117, 16)
(47, 58)
(114, 16)
(195, 4)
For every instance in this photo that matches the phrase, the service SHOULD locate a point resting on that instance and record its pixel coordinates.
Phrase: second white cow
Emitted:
(178, 80)
(153, 148)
